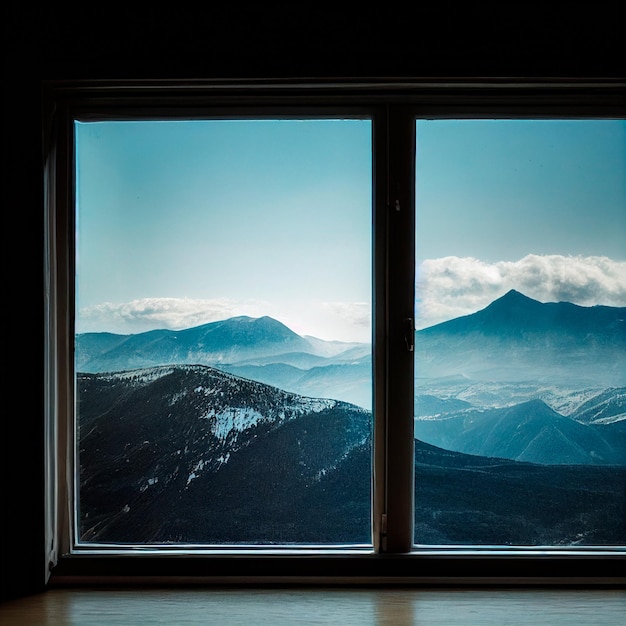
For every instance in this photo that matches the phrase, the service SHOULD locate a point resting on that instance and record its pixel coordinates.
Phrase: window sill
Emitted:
(448, 567)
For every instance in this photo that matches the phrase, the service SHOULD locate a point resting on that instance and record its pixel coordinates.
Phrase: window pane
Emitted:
(520, 359)
(223, 332)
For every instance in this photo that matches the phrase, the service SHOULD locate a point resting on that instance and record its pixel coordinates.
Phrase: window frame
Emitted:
(393, 107)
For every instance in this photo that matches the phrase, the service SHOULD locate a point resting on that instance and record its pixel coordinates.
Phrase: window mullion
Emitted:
(400, 299)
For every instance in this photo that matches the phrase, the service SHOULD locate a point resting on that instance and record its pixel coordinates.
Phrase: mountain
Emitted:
(530, 431)
(517, 338)
(604, 408)
(514, 353)
(515, 316)
(176, 452)
(239, 432)
(225, 341)
(514, 341)
(189, 454)
(349, 381)
(262, 349)
(470, 500)
(525, 380)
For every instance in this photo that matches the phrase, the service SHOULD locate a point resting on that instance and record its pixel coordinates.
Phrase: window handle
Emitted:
(409, 337)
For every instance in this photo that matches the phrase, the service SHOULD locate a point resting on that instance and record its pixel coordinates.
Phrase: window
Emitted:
(223, 337)
(231, 427)
(521, 348)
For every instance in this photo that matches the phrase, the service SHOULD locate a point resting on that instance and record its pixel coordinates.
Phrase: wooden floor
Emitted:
(337, 606)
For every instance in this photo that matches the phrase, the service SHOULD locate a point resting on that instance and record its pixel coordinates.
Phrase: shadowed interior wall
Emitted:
(225, 41)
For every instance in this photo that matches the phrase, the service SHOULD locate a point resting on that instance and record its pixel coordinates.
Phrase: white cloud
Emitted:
(171, 313)
(348, 321)
(354, 313)
(343, 321)
(446, 288)
(453, 286)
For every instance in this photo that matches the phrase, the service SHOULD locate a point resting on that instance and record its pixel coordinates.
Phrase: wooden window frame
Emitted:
(393, 107)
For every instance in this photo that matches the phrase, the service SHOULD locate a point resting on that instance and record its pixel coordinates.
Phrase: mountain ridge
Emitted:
(514, 338)
(529, 431)
(150, 439)
(518, 310)
(517, 338)
(225, 341)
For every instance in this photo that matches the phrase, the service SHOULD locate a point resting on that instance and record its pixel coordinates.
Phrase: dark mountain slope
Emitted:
(461, 499)
(165, 452)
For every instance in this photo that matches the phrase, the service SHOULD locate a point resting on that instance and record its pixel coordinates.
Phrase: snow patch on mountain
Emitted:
(149, 483)
(195, 472)
(238, 419)
(140, 376)
(611, 420)
(175, 398)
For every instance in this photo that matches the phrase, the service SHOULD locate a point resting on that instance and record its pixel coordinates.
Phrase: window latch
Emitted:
(409, 337)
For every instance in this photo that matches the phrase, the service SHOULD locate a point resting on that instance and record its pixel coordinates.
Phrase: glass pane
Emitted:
(520, 364)
(223, 331)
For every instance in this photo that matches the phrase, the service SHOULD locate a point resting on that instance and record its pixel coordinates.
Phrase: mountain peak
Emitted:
(514, 296)
(514, 303)
(512, 293)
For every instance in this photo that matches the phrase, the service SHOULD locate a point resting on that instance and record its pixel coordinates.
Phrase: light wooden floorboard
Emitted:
(301, 606)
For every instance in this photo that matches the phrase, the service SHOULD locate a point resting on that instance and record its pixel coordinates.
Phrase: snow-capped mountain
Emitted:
(153, 438)
(607, 407)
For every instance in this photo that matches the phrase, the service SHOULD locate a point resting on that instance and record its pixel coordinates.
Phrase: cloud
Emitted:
(354, 313)
(330, 320)
(349, 321)
(171, 313)
(449, 287)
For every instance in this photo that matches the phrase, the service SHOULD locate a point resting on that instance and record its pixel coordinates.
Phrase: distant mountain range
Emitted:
(526, 381)
(262, 349)
(235, 340)
(530, 431)
(513, 340)
(242, 431)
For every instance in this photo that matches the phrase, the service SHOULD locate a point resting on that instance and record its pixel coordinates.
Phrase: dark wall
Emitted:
(298, 39)
(99, 40)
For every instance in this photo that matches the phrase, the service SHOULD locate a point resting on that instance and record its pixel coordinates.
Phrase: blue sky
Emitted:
(538, 206)
(499, 190)
(181, 223)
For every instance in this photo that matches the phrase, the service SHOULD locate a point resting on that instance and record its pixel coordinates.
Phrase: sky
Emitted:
(183, 223)
(538, 206)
